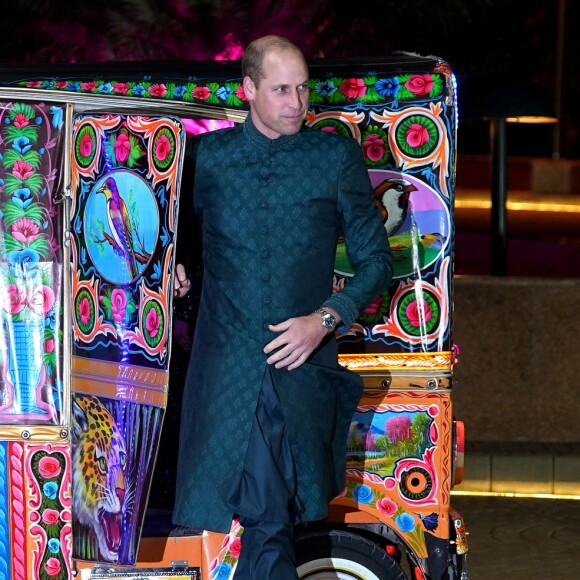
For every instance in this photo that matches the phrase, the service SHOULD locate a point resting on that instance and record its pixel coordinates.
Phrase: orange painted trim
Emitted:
(119, 381)
(415, 361)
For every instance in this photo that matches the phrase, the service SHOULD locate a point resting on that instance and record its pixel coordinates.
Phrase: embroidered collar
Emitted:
(260, 140)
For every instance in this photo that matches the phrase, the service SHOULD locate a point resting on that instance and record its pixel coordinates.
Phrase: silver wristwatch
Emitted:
(328, 321)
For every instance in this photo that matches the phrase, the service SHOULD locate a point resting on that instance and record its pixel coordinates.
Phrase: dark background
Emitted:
(535, 40)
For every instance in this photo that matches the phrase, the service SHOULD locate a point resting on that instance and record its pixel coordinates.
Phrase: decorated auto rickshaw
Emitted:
(91, 185)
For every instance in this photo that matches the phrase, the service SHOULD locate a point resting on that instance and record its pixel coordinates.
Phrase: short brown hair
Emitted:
(253, 59)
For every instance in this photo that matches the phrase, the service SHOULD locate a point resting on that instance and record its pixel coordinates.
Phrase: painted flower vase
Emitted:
(25, 343)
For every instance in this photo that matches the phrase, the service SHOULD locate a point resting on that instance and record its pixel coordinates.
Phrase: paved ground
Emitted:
(521, 538)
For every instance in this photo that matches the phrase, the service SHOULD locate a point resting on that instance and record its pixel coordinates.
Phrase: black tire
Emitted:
(339, 554)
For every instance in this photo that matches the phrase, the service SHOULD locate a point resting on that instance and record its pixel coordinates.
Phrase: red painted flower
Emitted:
(52, 567)
(152, 322)
(235, 547)
(118, 304)
(89, 86)
(61, 84)
(24, 230)
(86, 145)
(241, 94)
(121, 88)
(353, 88)
(329, 130)
(374, 307)
(21, 120)
(158, 90)
(162, 148)
(201, 93)
(374, 147)
(84, 310)
(16, 300)
(49, 467)
(122, 148)
(417, 135)
(33, 84)
(40, 299)
(416, 315)
(22, 170)
(387, 506)
(49, 345)
(420, 84)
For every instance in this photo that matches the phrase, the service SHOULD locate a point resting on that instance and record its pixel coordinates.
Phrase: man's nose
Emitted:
(295, 99)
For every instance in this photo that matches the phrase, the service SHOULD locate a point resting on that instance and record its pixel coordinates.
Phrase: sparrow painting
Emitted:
(120, 225)
(392, 198)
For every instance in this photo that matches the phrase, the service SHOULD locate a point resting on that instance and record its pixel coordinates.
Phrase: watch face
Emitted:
(328, 321)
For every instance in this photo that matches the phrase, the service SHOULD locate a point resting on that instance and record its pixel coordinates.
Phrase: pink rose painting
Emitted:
(86, 145)
(417, 135)
(420, 85)
(374, 147)
(49, 467)
(162, 148)
(152, 322)
(122, 148)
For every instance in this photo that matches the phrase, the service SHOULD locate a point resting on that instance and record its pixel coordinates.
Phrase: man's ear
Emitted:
(249, 88)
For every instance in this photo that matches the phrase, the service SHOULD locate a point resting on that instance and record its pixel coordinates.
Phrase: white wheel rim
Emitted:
(334, 569)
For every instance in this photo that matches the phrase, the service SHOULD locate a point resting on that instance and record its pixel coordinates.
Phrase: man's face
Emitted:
(279, 105)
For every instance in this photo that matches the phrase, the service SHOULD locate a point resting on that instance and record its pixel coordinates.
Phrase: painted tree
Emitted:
(369, 444)
(398, 428)
(353, 438)
(420, 431)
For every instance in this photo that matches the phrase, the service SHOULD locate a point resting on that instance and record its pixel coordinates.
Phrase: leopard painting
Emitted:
(99, 480)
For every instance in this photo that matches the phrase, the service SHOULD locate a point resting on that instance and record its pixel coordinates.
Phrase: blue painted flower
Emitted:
(23, 263)
(138, 90)
(74, 86)
(50, 320)
(388, 87)
(222, 572)
(50, 489)
(363, 493)
(179, 91)
(22, 197)
(105, 88)
(53, 546)
(223, 93)
(431, 521)
(406, 522)
(56, 117)
(325, 88)
(21, 144)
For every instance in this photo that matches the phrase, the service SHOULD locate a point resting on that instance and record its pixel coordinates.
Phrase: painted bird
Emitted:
(120, 224)
(392, 198)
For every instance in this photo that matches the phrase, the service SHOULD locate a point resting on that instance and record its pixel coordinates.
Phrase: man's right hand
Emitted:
(181, 283)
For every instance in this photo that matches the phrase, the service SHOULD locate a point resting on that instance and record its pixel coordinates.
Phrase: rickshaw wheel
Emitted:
(342, 555)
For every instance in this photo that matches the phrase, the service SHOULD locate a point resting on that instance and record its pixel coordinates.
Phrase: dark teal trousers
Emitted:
(265, 496)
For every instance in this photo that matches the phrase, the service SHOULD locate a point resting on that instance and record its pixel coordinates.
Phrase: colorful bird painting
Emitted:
(120, 225)
(392, 198)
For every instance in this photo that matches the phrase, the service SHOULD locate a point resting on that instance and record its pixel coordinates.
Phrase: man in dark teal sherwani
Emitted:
(266, 407)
